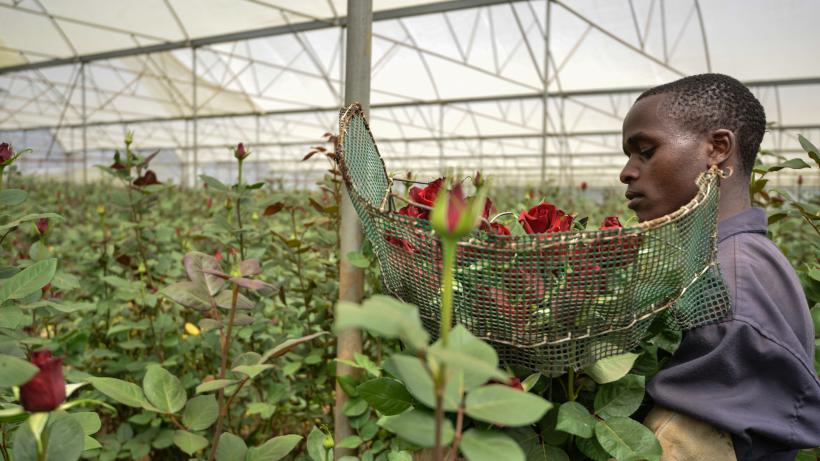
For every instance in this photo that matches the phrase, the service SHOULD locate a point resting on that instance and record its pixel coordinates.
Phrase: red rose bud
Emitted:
(46, 390)
(800, 180)
(456, 206)
(42, 225)
(218, 256)
(478, 180)
(488, 208)
(545, 218)
(583, 185)
(6, 153)
(611, 222)
(515, 383)
(426, 196)
(240, 152)
(454, 216)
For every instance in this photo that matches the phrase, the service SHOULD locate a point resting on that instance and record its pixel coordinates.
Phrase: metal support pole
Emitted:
(194, 119)
(351, 278)
(544, 100)
(440, 142)
(85, 127)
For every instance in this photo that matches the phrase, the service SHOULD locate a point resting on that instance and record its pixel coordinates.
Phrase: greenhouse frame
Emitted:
(455, 84)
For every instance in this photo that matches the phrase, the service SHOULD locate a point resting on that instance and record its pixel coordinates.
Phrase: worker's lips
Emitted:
(634, 198)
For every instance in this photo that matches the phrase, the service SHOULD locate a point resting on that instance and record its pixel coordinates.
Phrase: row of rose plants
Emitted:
(143, 322)
(193, 322)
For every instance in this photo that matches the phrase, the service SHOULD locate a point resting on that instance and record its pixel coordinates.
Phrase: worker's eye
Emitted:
(647, 153)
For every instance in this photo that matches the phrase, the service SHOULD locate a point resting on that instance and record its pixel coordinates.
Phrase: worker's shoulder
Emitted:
(764, 287)
(754, 254)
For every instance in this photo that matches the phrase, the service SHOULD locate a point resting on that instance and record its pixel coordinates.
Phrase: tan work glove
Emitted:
(687, 439)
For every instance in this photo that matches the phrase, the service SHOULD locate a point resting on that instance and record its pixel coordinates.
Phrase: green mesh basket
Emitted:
(546, 302)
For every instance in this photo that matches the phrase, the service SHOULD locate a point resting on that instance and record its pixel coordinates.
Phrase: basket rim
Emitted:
(705, 181)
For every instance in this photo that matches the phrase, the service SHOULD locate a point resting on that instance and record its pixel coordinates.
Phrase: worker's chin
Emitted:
(646, 212)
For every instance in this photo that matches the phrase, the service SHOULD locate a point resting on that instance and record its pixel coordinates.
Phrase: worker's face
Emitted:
(663, 160)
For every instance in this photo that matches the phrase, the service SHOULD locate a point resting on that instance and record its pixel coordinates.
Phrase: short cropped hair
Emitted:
(706, 102)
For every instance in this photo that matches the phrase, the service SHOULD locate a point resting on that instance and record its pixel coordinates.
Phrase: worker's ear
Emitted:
(724, 148)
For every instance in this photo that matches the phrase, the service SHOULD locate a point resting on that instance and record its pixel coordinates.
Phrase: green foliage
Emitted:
(140, 306)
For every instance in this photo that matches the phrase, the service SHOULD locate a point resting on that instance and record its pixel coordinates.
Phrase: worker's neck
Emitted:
(734, 198)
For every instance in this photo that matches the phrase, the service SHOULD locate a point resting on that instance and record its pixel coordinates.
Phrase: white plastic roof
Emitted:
(454, 84)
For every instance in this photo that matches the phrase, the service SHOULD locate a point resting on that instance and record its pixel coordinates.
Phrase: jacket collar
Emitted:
(750, 220)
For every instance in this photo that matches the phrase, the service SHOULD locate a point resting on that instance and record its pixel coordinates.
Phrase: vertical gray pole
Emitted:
(544, 101)
(440, 137)
(194, 119)
(85, 127)
(351, 279)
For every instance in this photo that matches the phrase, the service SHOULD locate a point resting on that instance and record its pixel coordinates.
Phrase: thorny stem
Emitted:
(233, 396)
(226, 344)
(299, 263)
(812, 224)
(176, 422)
(438, 452)
(4, 444)
(239, 212)
(457, 436)
(447, 279)
(104, 263)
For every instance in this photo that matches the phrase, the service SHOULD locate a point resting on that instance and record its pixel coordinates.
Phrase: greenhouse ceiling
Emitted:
(455, 84)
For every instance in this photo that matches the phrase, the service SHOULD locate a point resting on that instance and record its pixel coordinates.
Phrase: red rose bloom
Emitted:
(611, 222)
(545, 218)
(414, 212)
(46, 390)
(146, 179)
(426, 196)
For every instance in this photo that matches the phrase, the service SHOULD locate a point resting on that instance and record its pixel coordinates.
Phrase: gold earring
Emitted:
(724, 173)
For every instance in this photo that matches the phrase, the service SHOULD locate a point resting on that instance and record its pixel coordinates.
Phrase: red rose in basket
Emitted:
(620, 251)
(492, 227)
(422, 196)
(545, 218)
(427, 195)
(497, 307)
